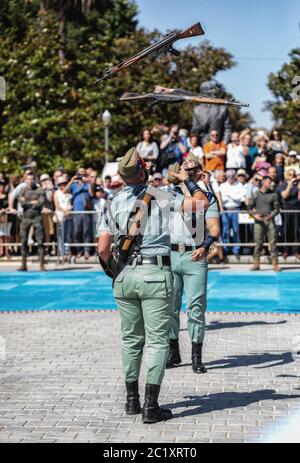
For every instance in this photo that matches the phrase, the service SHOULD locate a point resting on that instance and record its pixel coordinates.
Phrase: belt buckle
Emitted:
(181, 247)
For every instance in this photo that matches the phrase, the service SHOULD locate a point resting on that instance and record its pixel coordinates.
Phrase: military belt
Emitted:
(153, 260)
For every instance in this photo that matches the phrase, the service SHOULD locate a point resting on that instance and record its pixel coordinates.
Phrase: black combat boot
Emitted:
(152, 412)
(174, 354)
(132, 406)
(197, 364)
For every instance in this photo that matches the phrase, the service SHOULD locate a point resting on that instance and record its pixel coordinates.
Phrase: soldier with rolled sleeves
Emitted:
(190, 247)
(143, 289)
(32, 201)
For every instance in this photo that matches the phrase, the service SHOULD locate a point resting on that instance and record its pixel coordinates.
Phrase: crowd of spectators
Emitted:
(234, 172)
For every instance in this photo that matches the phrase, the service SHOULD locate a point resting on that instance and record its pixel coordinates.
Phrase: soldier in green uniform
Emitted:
(189, 266)
(264, 205)
(32, 200)
(143, 289)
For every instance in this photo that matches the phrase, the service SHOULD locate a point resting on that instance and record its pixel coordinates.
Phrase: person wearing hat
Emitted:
(190, 246)
(63, 207)
(32, 201)
(143, 289)
(293, 162)
(158, 180)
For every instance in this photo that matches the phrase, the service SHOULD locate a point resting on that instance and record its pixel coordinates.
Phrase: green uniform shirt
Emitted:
(189, 232)
(156, 235)
(32, 201)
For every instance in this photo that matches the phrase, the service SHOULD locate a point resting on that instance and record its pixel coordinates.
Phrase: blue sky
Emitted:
(258, 33)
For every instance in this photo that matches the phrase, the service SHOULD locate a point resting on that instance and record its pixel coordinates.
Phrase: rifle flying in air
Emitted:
(178, 96)
(163, 46)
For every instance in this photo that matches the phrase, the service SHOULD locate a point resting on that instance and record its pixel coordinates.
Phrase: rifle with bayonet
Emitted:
(163, 46)
(177, 96)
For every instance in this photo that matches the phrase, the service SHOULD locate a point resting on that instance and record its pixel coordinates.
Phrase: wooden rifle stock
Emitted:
(192, 31)
(163, 45)
(134, 228)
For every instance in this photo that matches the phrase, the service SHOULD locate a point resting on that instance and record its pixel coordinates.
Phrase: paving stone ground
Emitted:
(61, 380)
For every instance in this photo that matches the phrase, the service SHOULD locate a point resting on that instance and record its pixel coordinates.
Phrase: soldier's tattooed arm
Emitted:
(214, 227)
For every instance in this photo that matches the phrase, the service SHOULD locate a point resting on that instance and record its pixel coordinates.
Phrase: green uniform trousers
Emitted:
(192, 276)
(261, 231)
(144, 296)
(37, 224)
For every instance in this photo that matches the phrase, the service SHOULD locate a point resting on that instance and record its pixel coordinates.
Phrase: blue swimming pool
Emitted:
(227, 291)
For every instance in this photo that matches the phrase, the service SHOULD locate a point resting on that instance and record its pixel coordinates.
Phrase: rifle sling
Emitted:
(134, 241)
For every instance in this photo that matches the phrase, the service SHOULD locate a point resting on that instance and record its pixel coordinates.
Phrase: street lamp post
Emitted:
(106, 118)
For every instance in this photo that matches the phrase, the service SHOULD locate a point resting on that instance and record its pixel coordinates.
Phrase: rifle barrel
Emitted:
(177, 97)
(195, 30)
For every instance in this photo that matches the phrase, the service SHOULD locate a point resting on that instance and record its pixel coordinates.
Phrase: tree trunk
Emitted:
(43, 6)
(62, 34)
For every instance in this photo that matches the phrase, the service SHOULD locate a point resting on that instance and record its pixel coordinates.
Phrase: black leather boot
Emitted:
(174, 354)
(152, 412)
(197, 364)
(132, 406)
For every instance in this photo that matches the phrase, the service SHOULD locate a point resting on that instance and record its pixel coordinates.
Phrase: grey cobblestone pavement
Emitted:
(61, 380)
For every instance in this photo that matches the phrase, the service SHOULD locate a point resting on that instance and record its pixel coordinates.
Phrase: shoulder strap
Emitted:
(133, 240)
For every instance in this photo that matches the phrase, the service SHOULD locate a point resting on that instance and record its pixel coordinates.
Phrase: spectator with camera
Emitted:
(81, 192)
(293, 162)
(172, 148)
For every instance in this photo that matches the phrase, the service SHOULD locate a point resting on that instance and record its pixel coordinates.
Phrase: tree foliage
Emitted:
(53, 111)
(285, 107)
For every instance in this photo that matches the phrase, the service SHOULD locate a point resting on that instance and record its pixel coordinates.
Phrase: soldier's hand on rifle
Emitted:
(199, 254)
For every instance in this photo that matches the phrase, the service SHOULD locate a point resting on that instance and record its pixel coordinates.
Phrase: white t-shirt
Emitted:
(146, 150)
(64, 201)
(98, 207)
(235, 157)
(232, 195)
